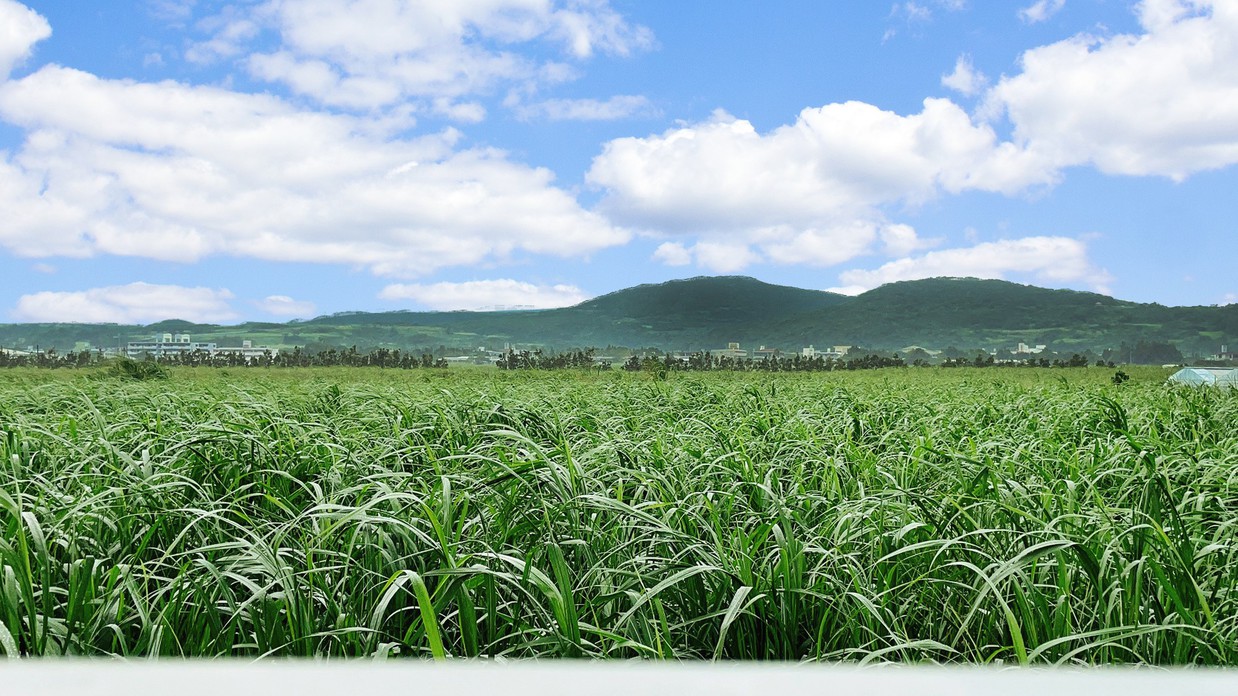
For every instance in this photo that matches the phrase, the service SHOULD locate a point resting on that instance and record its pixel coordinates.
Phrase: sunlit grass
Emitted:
(1026, 516)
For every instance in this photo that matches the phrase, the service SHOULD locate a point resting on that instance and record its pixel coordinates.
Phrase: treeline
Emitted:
(706, 361)
(696, 362)
(51, 359)
(540, 360)
(1075, 360)
(350, 357)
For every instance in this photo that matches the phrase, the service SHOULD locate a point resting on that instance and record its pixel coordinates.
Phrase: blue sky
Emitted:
(274, 159)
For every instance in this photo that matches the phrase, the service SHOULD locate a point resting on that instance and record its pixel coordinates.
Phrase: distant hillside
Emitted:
(995, 313)
(708, 312)
(698, 312)
(706, 300)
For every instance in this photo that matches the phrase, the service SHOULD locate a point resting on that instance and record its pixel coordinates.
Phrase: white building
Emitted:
(732, 350)
(1024, 349)
(180, 344)
(165, 345)
(811, 352)
(247, 350)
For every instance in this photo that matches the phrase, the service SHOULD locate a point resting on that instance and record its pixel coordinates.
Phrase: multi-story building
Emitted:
(165, 345)
(179, 344)
(247, 350)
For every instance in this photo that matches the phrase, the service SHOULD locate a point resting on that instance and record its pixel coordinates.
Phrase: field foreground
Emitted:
(898, 515)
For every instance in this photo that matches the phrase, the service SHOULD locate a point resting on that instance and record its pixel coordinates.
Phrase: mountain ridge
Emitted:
(710, 311)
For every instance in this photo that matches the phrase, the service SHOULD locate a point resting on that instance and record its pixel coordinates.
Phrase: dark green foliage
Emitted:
(137, 370)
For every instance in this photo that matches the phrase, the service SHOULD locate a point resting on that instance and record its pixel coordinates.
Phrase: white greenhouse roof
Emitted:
(1206, 375)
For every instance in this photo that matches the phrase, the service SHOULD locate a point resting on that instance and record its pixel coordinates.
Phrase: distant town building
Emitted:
(247, 350)
(165, 345)
(1024, 349)
(812, 352)
(732, 350)
(763, 352)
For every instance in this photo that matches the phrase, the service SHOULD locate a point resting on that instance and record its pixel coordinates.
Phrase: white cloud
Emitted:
(231, 33)
(486, 294)
(724, 257)
(673, 254)
(135, 303)
(1230, 298)
(811, 192)
(20, 29)
(818, 191)
(285, 306)
(1047, 259)
(965, 79)
(178, 172)
(912, 11)
(916, 14)
(1164, 102)
(376, 53)
(617, 107)
(171, 11)
(818, 246)
(901, 240)
(1040, 10)
(460, 111)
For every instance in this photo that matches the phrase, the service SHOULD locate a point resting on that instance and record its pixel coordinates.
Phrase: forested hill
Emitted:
(709, 312)
(993, 313)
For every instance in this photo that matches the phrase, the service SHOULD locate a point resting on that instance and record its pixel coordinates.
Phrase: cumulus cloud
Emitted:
(1046, 259)
(1164, 102)
(20, 29)
(724, 257)
(810, 192)
(901, 240)
(965, 79)
(375, 53)
(820, 190)
(285, 306)
(673, 254)
(179, 172)
(486, 295)
(135, 303)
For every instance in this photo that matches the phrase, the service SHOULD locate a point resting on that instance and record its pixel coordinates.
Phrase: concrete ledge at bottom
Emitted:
(550, 678)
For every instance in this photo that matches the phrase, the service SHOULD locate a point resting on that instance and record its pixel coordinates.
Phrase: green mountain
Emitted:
(695, 313)
(995, 313)
(709, 312)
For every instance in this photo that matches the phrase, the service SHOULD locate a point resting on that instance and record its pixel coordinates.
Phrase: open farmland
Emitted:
(897, 515)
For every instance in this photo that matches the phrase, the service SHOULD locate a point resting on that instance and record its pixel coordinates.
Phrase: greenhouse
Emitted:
(1210, 376)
